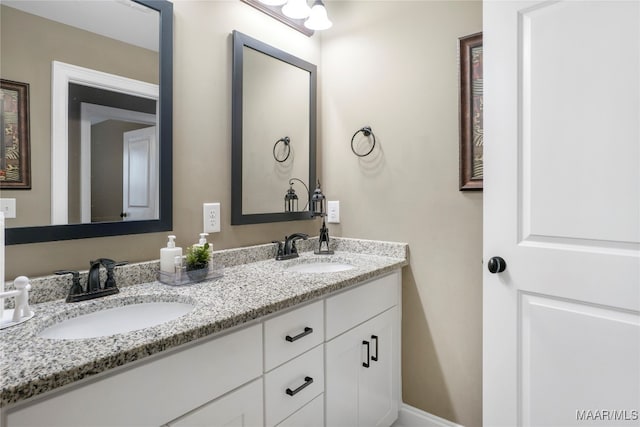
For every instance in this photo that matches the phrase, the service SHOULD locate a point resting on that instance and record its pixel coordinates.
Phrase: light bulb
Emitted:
(296, 9)
(318, 19)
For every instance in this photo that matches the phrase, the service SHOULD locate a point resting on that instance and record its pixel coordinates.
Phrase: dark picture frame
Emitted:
(15, 160)
(471, 110)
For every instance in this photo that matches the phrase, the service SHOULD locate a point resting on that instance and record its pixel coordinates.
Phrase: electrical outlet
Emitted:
(333, 212)
(211, 215)
(8, 206)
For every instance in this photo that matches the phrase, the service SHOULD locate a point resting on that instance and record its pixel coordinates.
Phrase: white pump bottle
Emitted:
(168, 256)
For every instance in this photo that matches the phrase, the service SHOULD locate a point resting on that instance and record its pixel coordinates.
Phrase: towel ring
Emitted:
(286, 142)
(366, 131)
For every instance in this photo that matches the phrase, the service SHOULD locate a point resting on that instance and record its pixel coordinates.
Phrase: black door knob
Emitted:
(496, 265)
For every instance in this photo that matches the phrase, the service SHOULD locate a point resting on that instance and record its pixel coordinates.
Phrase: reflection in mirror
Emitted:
(130, 39)
(93, 143)
(274, 97)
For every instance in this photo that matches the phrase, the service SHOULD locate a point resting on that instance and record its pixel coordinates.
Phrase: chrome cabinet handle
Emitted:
(496, 265)
(307, 331)
(307, 381)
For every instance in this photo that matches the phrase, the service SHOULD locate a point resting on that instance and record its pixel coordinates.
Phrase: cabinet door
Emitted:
(361, 391)
(241, 408)
(377, 398)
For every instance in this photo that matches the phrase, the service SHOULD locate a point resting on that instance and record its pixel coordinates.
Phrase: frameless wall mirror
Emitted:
(100, 95)
(273, 133)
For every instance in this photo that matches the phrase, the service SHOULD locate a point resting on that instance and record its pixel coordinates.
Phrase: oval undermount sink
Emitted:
(117, 320)
(320, 267)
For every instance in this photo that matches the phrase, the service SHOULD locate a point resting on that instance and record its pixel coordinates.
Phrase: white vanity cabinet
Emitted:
(363, 363)
(294, 361)
(240, 408)
(302, 368)
(154, 392)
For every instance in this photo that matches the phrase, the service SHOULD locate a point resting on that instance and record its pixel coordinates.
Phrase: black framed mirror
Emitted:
(273, 132)
(160, 12)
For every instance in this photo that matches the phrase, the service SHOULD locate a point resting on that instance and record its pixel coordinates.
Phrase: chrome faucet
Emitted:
(288, 249)
(93, 288)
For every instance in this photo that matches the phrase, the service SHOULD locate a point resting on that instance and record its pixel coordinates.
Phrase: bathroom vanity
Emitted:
(265, 345)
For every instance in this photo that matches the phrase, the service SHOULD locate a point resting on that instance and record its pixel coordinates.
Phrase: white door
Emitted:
(140, 175)
(562, 208)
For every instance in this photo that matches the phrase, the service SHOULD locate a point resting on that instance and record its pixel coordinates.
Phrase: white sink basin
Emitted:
(320, 267)
(117, 320)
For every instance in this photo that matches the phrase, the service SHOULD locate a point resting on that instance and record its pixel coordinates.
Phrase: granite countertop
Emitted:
(31, 365)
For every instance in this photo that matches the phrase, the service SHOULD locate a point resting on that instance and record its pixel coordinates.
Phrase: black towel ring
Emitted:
(286, 142)
(366, 131)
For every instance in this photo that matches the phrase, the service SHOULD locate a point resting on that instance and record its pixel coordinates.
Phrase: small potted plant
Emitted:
(198, 262)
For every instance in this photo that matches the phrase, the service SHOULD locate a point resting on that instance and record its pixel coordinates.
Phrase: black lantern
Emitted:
(317, 202)
(291, 200)
(317, 208)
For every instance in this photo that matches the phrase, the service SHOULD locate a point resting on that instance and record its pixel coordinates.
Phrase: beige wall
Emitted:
(393, 65)
(202, 142)
(28, 44)
(388, 64)
(275, 105)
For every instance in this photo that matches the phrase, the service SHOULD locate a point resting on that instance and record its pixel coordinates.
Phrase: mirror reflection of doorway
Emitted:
(103, 97)
(139, 175)
(108, 137)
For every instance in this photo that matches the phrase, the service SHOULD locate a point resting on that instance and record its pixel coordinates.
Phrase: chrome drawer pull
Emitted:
(307, 381)
(307, 331)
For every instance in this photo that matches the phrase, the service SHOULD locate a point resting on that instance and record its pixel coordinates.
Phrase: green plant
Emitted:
(198, 257)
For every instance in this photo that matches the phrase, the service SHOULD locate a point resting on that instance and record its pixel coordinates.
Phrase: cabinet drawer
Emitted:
(350, 308)
(311, 415)
(293, 384)
(293, 333)
(243, 407)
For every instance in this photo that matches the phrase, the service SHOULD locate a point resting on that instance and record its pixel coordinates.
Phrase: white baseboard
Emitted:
(408, 416)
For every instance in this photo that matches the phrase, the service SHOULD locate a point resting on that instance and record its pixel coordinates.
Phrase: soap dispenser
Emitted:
(168, 256)
(203, 239)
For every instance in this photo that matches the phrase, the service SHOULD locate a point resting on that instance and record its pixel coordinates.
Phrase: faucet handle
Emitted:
(280, 251)
(76, 287)
(110, 264)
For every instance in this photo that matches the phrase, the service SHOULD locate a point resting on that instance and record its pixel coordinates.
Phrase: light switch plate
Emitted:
(333, 212)
(211, 216)
(8, 206)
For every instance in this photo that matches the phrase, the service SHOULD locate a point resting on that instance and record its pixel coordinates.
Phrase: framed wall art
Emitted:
(15, 171)
(471, 106)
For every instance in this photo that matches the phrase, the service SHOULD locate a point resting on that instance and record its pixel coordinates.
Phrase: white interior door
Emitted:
(562, 208)
(140, 175)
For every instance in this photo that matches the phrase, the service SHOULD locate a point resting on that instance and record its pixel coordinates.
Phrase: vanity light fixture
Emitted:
(318, 19)
(296, 13)
(273, 2)
(296, 9)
